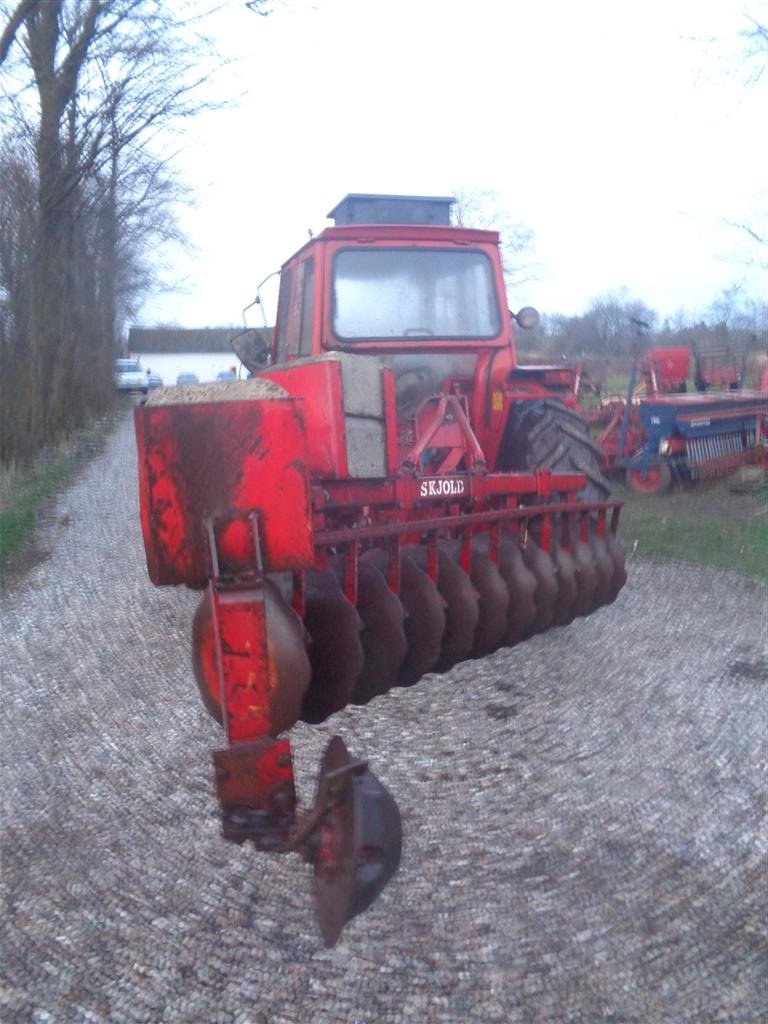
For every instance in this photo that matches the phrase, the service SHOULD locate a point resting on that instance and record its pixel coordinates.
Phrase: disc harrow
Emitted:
(448, 610)
(390, 495)
(364, 589)
(454, 601)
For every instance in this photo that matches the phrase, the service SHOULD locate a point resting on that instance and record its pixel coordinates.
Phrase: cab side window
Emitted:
(307, 308)
(283, 307)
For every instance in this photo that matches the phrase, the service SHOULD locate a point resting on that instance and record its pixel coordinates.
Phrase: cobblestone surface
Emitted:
(584, 815)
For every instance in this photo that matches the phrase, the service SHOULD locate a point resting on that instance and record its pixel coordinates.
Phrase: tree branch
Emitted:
(17, 18)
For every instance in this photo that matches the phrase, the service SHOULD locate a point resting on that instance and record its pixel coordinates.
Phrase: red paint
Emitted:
(220, 462)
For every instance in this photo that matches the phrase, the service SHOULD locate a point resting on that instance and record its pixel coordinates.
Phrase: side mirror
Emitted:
(253, 347)
(527, 318)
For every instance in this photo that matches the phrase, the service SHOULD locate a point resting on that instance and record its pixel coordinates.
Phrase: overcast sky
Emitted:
(624, 135)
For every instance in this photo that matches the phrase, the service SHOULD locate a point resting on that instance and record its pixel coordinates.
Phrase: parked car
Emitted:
(187, 378)
(131, 378)
(154, 380)
(226, 375)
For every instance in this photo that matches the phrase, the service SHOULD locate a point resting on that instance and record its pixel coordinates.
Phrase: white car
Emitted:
(130, 377)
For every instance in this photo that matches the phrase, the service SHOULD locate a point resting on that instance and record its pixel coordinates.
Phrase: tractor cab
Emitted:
(425, 303)
(394, 279)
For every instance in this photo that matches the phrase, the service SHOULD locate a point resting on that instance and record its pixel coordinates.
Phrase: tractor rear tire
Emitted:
(544, 434)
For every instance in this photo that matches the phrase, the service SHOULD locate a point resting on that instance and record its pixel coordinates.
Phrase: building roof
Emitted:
(181, 339)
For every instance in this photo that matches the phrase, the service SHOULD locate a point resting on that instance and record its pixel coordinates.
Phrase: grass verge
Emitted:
(24, 490)
(703, 525)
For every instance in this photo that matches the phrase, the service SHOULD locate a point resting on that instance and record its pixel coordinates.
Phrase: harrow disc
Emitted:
(586, 578)
(493, 601)
(287, 661)
(383, 636)
(616, 552)
(545, 597)
(567, 587)
(604, 567)
(359, 844)
(461, 606)
(521, 584)
(335, 650)
(424, 621)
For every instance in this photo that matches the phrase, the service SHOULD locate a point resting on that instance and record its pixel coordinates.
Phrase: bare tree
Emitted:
(12, 26)
(608, 328)
(755, 36)
(18, 231)
(482, 208)
(112, 79)
(751, 62)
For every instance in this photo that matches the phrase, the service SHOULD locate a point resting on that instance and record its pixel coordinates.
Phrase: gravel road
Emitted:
(584, 815)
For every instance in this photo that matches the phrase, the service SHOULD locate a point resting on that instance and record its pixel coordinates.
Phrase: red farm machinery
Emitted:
(661, 432)
(390, 494)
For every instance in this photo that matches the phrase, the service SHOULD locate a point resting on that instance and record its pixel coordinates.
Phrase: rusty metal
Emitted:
(462, 610)
(335, 650)
(424, 621)
(221, 462)
(332, 787)
(493, 601)
(255, 787)
(383, 637)
(358, 842)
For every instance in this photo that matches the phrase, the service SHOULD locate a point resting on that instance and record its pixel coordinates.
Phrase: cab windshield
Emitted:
(408, 294)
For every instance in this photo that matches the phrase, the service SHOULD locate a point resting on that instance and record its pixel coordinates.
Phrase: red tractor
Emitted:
(389, 495)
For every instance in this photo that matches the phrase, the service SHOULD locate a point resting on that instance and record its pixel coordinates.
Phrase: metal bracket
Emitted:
(331, 790)
(255, 786)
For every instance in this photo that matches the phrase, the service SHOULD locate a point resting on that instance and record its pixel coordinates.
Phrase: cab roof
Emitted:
(370, 208)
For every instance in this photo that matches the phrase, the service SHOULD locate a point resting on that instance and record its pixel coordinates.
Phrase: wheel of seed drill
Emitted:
(424, 616)
(521, 584)
(461, 606)
(567, 587)
(383, 637)
(544, 434)
(545, 597)
(654, 480)
(357, 846)
(335, 651)
(288, 664)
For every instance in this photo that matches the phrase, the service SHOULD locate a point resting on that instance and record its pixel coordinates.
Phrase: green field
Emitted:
(705, 524)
